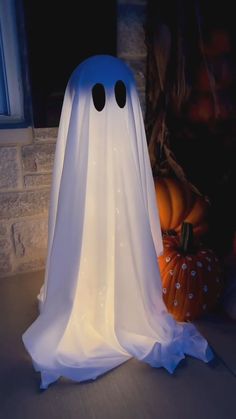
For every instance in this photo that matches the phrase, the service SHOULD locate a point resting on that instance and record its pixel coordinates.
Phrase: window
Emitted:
(13, 91)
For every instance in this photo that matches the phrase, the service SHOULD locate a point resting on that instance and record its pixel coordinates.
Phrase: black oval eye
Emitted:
(120, 93)
(99, 96)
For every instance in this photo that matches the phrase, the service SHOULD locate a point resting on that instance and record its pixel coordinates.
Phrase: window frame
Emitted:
(17, 97)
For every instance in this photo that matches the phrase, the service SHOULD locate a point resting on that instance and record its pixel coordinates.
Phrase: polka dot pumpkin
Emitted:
(192, 281)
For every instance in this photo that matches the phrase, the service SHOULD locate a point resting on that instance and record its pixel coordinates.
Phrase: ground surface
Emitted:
(132, 391)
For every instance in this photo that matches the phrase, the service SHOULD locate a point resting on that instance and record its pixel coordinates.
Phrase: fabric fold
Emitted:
(101, 303)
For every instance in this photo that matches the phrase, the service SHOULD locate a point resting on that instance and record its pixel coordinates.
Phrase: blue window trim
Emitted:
(3, 83)
(27, 119)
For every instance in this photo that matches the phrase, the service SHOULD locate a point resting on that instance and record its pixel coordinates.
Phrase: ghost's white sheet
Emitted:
(101, 303)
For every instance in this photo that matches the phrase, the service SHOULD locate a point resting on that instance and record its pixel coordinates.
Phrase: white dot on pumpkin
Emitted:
(164, 290)
(189, 258)
(167, 245)
(184, 266)
(177, 285)
(171, 272)
(199, 264)
(205, 288)
(168, 259)
(193, 273)
(203, 252)
(175, 303)
(178, 255)
(190, 296)
(188, 314)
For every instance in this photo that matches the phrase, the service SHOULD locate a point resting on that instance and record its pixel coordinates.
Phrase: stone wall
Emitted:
(25, 170)
(25, 177)
(131, 15)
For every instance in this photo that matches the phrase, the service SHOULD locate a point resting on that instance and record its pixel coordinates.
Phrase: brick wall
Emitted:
(25, 170)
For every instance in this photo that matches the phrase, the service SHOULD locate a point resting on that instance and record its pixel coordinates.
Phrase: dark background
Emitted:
(204, 144)
(60, 35)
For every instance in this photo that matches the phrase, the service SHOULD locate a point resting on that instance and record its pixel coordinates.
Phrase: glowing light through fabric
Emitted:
(101, 302)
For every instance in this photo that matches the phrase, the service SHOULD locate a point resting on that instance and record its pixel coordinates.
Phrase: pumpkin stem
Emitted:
(186, 238)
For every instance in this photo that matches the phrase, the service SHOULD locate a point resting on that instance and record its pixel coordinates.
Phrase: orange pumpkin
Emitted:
(201, 110)
(221, 72)
(191, 278)
(218, 43)
(177, 204)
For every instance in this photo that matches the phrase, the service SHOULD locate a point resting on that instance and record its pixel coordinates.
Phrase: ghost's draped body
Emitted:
(101, 302)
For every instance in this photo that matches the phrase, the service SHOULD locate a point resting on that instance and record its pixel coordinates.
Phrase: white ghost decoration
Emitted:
(101, 302)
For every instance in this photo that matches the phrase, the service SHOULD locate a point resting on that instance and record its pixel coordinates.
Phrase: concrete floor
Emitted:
(134, 390)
